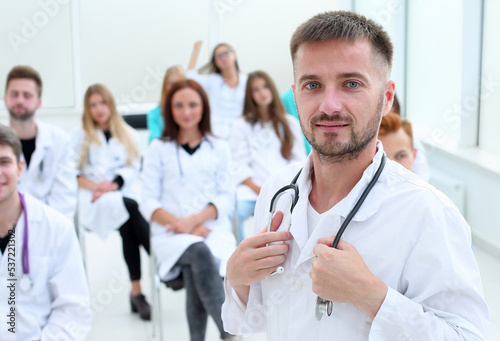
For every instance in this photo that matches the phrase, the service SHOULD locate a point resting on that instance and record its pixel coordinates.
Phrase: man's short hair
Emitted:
(25, 72)
(343, 25)
(9, 138)
(392, 122)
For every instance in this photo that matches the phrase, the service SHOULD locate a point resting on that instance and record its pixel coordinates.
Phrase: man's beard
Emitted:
(23, 116)
(333, 151)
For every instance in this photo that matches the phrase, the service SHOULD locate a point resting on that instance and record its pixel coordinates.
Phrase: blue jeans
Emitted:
(245, 210)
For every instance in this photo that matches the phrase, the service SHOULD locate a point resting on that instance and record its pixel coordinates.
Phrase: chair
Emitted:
(80, 233)
(156, 316)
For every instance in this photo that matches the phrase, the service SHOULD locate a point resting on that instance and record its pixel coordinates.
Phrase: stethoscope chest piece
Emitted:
(25, 283)
(323, 307)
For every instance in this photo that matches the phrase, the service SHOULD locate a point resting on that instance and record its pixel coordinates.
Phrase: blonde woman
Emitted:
(108, 163)
(154, 118)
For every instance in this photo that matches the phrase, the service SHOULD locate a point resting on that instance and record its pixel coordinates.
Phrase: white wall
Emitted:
(129, 47)
(480, 173)
(38, 33)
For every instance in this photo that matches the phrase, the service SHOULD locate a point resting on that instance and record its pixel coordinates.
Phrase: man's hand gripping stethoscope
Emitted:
(341, 275)
(338, 274)
(257, 257)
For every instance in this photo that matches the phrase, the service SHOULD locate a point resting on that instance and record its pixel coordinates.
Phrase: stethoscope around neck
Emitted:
(25, 283)
(322, 306)
(179, 164)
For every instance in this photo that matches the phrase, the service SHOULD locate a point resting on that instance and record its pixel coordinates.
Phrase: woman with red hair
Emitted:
(188, 198)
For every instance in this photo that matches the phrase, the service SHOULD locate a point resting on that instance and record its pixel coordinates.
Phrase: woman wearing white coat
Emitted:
(263, 141)
(224, 83)
(109, 161)
(188, 197)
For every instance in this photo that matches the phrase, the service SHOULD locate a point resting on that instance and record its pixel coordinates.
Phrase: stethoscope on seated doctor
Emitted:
(25, 283)
(322, 306)
(179, 164)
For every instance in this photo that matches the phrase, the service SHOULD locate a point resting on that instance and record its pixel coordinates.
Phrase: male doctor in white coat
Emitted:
(404, 268)
(55, 303)
(50, 173)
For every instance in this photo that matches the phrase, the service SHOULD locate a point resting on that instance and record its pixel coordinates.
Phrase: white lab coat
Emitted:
(409, 234)
(57, 307)
(51, 175)
(183, 185)
(226, 103)
(256, 152)
(105, 162)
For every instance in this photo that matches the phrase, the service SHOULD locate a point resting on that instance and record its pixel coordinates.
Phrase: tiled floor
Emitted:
(110, 288)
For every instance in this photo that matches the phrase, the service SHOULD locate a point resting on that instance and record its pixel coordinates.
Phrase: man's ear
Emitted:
(390, 89)
(20, 167)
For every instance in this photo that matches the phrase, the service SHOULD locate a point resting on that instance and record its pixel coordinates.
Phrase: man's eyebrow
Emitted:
(358, 75)
(345, 75)
(311, 77)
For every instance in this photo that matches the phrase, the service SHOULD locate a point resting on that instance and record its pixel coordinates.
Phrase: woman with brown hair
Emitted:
(264, 139)
(108, 163)
(188, 197)
(224, 83)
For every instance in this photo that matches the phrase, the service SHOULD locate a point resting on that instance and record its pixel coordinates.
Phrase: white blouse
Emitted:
(256, 152)
(226, 103)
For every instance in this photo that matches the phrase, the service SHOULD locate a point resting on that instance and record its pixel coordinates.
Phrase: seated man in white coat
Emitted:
(404, 268)
(44, 293)
(50, 169)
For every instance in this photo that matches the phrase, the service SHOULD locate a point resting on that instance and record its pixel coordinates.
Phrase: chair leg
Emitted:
(81, 239)
(152, 263)
(234, 221)
(158, 299)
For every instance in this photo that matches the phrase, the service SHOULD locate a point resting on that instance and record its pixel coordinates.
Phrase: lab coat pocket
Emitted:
(39, 272)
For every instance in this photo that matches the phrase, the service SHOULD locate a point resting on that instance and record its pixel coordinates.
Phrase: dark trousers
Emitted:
(134, 232)
(204, 290)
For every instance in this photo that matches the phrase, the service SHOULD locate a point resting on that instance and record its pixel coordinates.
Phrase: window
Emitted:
(434, 66)
(489, 123)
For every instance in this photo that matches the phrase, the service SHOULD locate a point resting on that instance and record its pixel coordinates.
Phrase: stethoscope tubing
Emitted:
(360, 201)
(324, 306)
(179, 164)
(25, 252)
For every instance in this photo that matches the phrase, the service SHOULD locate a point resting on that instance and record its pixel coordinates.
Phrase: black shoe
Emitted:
(139, 304)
